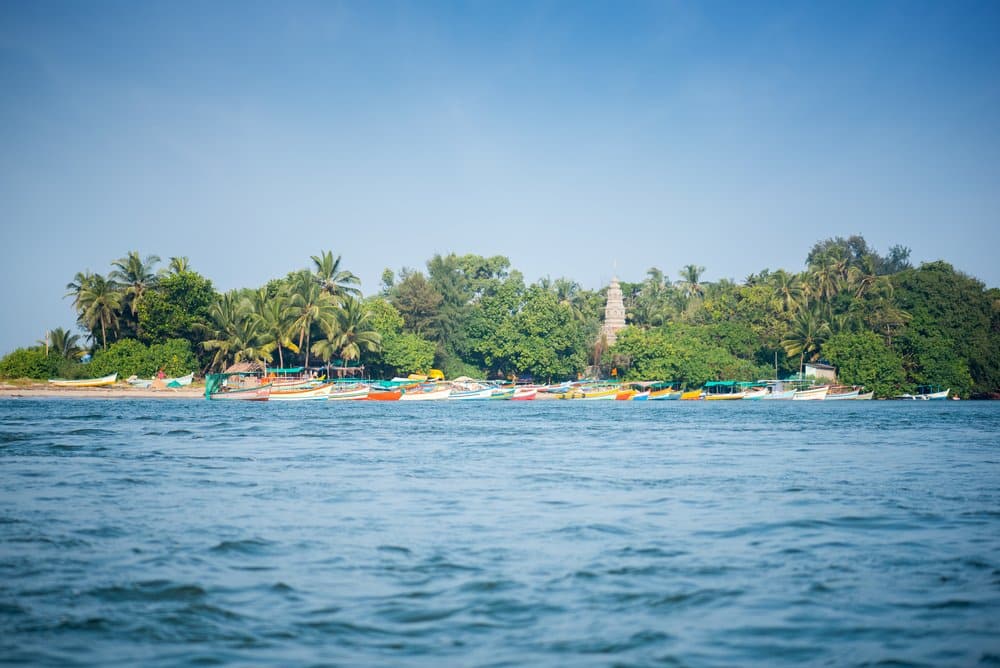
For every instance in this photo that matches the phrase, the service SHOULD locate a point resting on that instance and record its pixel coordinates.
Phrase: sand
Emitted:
(118, 391)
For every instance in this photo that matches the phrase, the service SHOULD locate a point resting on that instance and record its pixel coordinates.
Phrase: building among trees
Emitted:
(614, 313)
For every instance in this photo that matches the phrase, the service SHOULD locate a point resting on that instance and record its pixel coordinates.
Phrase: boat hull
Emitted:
(815, 394)
(320, 393)
(524, 395)
(85, 382)
(349, 394)
(384, 395)
(691, 395)
(262, 393)
(435, 395)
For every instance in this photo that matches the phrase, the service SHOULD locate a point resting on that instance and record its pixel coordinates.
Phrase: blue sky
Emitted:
(567, 136)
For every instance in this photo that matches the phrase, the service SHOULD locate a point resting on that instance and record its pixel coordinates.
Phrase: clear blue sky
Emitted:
(567, 135)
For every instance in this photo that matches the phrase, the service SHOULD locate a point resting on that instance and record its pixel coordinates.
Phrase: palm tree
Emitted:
(310, 305)
(788, 289)
(806, 335)
(236, 334)
(179, 265)
(98, 303)
(348, 334)
(827, 278)
(62, 343)
(136, 275)
(333, 280)
(865, 278)
(275, 319)
(689, 281)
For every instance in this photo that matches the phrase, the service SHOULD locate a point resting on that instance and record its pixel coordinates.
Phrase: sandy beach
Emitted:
(118, 391)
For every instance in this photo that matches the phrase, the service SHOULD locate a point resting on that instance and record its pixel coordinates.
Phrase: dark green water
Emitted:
(546, 533)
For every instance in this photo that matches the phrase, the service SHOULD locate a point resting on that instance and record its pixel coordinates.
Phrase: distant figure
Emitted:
(160, 374)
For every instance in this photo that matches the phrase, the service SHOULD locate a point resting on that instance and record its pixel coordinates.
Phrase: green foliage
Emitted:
(403, 354)
(685, 353)
(862, 358)
(32, 363)
(178, 307)
(130, 357)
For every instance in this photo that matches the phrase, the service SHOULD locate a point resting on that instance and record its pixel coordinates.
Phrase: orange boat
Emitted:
(384, 395)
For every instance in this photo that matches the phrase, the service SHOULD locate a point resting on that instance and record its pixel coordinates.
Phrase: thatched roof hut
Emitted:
(246, 367)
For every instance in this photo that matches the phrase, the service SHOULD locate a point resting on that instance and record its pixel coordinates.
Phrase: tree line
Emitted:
(884, 323)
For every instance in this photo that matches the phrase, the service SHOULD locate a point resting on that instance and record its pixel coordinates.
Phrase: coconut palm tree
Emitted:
(690, 279)
(348, 334)
(826, 278)
(136, 274)
(788, 290)
(806, 336)
(275, 319)
(310, 305)
(333, 280)
(98, 303)
(62, 342)
(865, 278)
(236, 335)
(179, 265)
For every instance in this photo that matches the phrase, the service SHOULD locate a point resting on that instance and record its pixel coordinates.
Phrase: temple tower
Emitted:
(614, 313)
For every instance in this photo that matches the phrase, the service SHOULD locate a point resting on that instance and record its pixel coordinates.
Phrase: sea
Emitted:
(560, 533)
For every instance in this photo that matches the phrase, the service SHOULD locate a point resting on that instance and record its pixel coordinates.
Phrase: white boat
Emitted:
(525, 394)
(779, 395)
(354, 392)
(432, 393)
(467, 395)
(867, 396)
(943, 394)
(85, 382)
(146, 383)
(843, 396)
(319, 393)
(812, 394)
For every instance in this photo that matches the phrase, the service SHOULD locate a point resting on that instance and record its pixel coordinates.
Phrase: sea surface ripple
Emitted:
(165, 533)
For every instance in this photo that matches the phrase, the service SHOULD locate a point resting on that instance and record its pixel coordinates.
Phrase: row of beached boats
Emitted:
(134, 381)
(247, 387)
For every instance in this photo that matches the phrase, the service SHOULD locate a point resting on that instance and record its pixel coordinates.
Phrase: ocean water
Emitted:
(163, 533)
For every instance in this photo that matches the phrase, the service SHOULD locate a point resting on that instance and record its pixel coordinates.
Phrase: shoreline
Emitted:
(113, 392)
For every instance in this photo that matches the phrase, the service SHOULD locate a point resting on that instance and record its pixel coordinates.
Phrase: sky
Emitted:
(579, 139)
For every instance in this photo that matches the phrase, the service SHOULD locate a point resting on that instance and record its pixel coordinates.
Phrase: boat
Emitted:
(382, 394)
(236, 386)
(811, 394)
(594, 394)
(842, 393)
(641, 396)
(932, 392)
(351, 392)
(524, 394)
(426, 393)
(724, 390)
(471, 395)
(318, 393)
(691, 395)
(503, 393)
(665, 391)
(867, 396)
(756, 394)
(85, 382)
(779, 395)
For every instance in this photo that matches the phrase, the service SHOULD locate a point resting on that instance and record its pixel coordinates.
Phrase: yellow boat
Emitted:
(691, 395)
(85, 382)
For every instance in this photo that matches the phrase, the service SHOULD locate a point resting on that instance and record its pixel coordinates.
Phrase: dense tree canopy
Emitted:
(885, 324)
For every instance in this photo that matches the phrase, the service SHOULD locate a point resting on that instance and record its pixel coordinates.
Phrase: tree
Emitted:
(275, 317)
(136, 275)
(689, 282)
(334, 280)
(787, 290)
(805, 337)
(98, 303)
(311, 305)
(234, 335)
(348, 334)
(178, 307)
(402, 353)
(416, 301)
(862, 358)
(179, 265)
(62, 343)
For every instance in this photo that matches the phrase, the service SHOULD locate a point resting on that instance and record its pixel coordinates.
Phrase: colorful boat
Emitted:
(503, 394)
(240, 386)
(379, 394)
(641, 396)
(524, 394)
(352, 392)
(85, 382)
(426, 393)
(691, 395)
(724, 390)
(811, 394)
(318, 393)
(594, 395)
